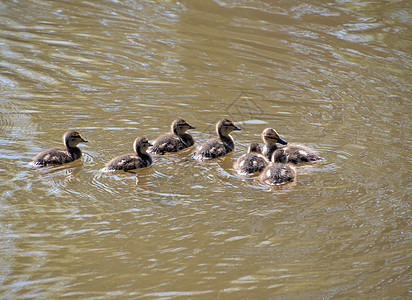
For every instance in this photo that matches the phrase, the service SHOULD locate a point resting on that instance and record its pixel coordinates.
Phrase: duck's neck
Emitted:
(227, 141)
(268, 150)
(70, 145)
(75, 151)
(145, 156)
(179, 133)
(186, 139)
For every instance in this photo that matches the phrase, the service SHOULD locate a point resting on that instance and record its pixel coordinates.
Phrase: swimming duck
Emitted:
(270, 137)
(62, 155)
(251, 162)
(279, 171)
(131, 161)
(298, 153)
(218, 146)
(175, 141)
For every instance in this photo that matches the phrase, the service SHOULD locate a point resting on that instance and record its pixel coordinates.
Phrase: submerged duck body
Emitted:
(251, 162)
(62, 155)
(279, 171)
(132, 161)
(271, 138)
(220, 146)
(299, 153)
(175, 141)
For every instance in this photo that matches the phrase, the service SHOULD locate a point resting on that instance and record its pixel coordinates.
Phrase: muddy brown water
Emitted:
(333, 75)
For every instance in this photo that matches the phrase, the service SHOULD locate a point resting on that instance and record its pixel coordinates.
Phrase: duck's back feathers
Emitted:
(298, 153)
(56, 156)
(250, 163)
(213, 148)
(127, 162)
(171, 143)
(278, 173)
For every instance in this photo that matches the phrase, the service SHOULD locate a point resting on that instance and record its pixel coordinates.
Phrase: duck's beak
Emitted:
(236, 128)
(191, 127)
(83, 140)
(280, 141)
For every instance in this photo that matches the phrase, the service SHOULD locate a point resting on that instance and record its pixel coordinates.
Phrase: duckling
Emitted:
(279, 171)
(270, 137)
(251, 162)
(59, 156)
(218, 146)
(131, 161)
(298, 153)
(175, 141)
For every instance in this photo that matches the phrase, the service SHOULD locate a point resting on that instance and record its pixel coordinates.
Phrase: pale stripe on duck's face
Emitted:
(225, 126)
(141, 145)
(271, 137)
(180, 126)
(72, 139)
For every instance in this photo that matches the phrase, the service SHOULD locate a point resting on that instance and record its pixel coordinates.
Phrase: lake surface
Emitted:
(333, 75)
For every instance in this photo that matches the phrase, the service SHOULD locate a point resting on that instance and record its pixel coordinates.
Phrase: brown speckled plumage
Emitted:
(218, 146)
(299, 153)
(279, 171)
(251, 162)
(175, 141)
(131, 161)
(61, 155)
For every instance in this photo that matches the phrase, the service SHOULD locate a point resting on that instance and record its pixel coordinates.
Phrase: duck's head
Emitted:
(271, 137)
(280, 156)
(180, 126)
(141, 144)
(225, 126)
(72, 138)
(254, 147)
